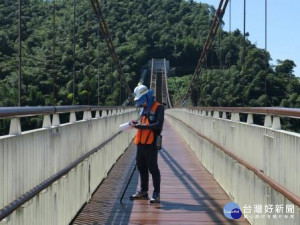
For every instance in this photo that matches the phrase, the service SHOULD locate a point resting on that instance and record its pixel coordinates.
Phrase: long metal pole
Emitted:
(128, 182)
(20, 54)
(131, 175)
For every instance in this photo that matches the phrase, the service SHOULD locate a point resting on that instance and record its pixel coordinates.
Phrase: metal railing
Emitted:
(13, 206)
(49, 161)
(8, 112)
(15, 113)
(254, 163)
(273, 111)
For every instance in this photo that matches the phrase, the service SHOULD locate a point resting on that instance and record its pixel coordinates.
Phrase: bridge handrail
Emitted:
(278, 111)
(17, 203)
(7, 112)
(278, 187)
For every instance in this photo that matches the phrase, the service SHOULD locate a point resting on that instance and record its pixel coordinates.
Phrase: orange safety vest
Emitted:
(146, 136)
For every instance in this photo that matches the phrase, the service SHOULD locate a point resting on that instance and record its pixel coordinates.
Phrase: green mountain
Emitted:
(141, 30)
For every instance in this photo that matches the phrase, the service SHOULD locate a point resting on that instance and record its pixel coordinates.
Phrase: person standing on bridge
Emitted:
(148, 132)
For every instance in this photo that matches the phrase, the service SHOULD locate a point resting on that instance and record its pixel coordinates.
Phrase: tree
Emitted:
(286, 66)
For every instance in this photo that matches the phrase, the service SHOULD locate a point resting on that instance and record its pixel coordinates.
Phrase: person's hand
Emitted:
(133, 123)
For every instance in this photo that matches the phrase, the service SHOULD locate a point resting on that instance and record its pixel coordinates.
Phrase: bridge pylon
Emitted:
(158, 81)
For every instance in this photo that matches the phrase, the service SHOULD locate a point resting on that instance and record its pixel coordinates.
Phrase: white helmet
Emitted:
(139, 91)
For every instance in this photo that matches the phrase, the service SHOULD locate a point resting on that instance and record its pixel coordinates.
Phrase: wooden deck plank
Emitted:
(189, 194)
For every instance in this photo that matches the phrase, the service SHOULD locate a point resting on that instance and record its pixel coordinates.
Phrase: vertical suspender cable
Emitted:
(98, 80)
(220, 50)
(20, 54)
(266, 25)
(244, 51)
(74, 48)
(120, 99)
(266, 95)
(230, 35)
(244, 43)
(110, 45)
(210, 38)
(54, 52)
(229, 16)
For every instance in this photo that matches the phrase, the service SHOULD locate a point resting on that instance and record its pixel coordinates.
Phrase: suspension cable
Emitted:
(110, 45)
(220, 49)
(229, 16)
(98, 77)
(244, 53)
(230, 36)
(266, 60)
(74, 48)
(20, 54)
(54, 53)
(210, 38)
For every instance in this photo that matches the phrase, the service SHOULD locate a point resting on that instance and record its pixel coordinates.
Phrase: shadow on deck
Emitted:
(189, 194)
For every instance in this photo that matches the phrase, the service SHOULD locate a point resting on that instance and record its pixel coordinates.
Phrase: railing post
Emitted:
(97, 115)
(15, 126)
(55, 120)
(250, 119)
(46, 121)
(268, 121)
(72, 117)
(232, 116)
(87, 115)
(276, 123)
(224, 116)
(104, 113)
(235, 117)
(216, 114)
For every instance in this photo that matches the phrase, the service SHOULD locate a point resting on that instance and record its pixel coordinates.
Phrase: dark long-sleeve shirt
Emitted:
(158, 122)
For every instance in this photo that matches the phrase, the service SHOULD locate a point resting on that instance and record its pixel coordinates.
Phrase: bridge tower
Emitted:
(158, 81)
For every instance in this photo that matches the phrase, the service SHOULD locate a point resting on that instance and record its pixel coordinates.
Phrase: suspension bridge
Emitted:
(74, 170)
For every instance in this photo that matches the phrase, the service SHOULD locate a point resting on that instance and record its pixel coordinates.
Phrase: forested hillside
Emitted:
(233, 86)
(141, 30)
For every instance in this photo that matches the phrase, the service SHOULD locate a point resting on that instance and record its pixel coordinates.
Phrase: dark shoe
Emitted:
(139, 195)
(155, 198)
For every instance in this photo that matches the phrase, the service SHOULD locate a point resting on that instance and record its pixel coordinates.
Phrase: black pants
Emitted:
(147, 161)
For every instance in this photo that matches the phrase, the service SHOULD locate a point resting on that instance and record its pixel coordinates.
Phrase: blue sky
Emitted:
(283, 33)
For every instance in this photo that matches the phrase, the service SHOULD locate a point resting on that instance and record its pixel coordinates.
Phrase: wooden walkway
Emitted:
(189, 194)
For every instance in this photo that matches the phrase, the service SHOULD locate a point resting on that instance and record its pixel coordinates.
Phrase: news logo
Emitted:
(232, 211)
